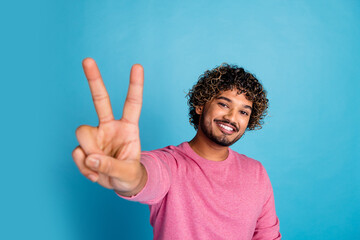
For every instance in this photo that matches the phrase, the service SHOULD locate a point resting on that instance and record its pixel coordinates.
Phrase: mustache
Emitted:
(228, 122)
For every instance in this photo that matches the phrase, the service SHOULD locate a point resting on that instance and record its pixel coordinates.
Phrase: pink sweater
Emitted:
(194, 198)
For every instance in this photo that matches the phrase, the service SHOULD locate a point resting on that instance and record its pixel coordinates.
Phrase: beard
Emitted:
(220, 140)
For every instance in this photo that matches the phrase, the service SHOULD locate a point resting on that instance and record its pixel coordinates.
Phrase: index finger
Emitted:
(98, 91)
(133, 102)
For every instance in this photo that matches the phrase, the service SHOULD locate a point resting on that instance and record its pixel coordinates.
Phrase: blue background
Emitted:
(306, 53)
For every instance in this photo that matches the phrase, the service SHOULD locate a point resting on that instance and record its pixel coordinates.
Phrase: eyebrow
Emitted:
(229, 100)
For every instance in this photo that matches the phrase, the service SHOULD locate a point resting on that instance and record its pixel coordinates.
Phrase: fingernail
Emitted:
(94, 163)
(92, 178)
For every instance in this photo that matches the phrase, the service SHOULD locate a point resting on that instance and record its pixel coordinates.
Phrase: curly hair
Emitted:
(228, 77)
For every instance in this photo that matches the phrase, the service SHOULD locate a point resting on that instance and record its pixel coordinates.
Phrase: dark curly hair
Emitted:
(223, 78)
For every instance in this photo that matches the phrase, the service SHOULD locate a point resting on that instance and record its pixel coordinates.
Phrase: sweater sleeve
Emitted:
(158, 182)
(267, 225)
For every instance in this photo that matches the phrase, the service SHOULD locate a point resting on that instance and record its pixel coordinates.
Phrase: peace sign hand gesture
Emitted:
(110, 153)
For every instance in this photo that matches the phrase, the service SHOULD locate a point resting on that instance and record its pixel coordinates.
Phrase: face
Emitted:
(224, 119)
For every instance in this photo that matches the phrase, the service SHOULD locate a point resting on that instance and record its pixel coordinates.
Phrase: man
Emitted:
(200, 189)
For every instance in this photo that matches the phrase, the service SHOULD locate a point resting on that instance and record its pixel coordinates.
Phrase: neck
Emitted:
(207, 149)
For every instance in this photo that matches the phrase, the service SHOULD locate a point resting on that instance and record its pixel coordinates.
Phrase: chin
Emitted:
(222, 141)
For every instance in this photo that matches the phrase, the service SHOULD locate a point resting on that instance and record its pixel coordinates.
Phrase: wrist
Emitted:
(137, 186)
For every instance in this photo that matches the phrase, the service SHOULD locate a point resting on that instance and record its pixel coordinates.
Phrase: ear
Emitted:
(199, 109)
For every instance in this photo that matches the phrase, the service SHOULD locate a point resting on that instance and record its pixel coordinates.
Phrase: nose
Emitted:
(231, 116)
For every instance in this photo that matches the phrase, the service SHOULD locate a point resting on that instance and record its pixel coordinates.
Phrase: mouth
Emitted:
(226, 128)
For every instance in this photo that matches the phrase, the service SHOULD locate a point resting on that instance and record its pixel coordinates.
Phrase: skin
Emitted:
(109, 154)
(230, 109)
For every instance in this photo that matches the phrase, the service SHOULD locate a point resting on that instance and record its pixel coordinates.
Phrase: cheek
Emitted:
(207, 121)
(244, 123)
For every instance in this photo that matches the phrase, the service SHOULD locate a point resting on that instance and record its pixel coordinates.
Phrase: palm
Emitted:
(115, 138)
(119, 140)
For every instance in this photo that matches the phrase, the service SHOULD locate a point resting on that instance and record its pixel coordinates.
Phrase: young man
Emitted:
(200, 189)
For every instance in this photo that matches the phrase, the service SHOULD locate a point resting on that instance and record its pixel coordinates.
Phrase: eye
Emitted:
(223, 105)
(244, 113)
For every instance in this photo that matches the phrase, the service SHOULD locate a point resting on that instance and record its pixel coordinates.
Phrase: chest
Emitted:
(218, 193)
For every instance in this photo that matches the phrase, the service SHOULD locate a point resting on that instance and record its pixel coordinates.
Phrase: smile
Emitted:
(226, 128)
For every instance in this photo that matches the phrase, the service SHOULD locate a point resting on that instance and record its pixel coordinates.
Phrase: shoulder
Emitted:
(168, 154)
(248, 162)
(171, 149)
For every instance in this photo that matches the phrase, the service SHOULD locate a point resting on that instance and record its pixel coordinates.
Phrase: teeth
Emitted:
(226, 127)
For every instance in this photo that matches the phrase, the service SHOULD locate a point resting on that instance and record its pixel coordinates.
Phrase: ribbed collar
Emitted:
(203, 161)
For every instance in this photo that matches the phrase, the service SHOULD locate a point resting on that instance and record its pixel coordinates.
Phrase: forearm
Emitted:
(157, 182)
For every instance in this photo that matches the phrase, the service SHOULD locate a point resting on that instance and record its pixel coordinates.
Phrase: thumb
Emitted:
(124, 170)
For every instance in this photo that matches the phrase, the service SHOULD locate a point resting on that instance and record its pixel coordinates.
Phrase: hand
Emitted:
(110, 153)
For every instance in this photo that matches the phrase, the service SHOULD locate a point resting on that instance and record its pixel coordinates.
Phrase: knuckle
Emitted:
(83, 133)
(82, 128)
(79, 162)
(108, 165)
(75, 152)
(106, 119)
(78, 153)
(100, 97)
(79, 130)
(133, 100)
(76, 159)
(84, 171)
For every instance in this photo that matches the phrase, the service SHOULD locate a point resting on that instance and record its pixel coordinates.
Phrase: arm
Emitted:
(267, 226)
(158, 179)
